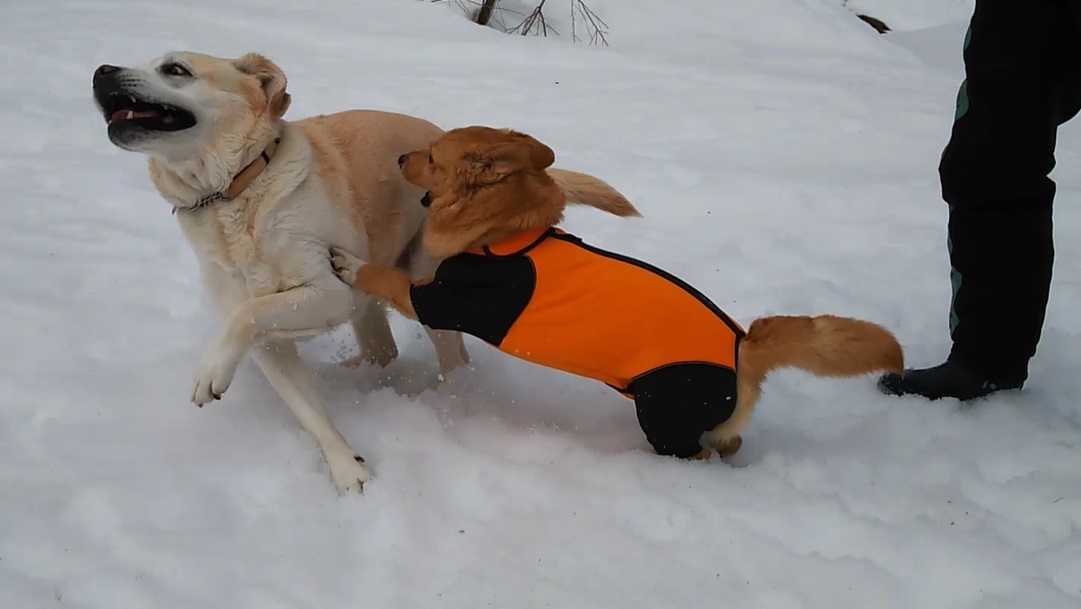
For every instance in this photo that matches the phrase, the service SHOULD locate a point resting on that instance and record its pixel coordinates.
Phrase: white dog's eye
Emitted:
(174, 69)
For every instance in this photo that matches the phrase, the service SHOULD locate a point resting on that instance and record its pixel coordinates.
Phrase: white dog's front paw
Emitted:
(345, 264)
(348, 472)
(216, 371)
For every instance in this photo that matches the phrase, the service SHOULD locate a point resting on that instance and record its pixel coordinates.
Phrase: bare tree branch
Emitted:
(596, 26)
(484, 12)
(534, 20)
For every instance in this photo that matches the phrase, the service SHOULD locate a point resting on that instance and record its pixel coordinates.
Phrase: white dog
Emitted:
(261, 200)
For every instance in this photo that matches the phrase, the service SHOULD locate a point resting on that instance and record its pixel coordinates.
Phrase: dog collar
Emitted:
(241, 181)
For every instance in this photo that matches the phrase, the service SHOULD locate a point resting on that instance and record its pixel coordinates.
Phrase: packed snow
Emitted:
(784, 155)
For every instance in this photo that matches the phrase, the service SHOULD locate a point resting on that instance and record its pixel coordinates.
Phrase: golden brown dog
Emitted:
(511, 278)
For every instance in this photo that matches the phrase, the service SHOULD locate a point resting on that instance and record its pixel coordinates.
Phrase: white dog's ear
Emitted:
(271, 78)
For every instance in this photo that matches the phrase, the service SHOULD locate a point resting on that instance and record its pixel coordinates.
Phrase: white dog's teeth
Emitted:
(132, 98)
(130, 114)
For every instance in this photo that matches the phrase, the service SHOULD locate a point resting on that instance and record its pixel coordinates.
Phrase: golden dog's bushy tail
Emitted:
(825, 345)
(584, 189)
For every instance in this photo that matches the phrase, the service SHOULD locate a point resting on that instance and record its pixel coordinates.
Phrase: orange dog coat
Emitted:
(546, 297)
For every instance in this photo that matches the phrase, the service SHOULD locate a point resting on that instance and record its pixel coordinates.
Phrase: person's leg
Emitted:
(1020, 61)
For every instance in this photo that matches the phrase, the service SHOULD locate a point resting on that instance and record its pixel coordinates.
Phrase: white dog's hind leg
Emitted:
(287, 373)
(449, 349)
(374, 337)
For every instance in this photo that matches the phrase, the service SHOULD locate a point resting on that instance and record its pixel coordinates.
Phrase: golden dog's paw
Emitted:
(730, 446)
(345, 264)
(704, 455)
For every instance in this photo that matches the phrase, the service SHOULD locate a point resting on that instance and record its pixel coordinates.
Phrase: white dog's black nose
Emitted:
(401, 159)
(105, 69)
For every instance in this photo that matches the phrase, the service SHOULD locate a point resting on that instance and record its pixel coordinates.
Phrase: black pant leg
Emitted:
(994, 171)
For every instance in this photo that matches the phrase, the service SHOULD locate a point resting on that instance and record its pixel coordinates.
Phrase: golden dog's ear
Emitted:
(505, 159)
(510, 157)
(541, 155)
(271, 79)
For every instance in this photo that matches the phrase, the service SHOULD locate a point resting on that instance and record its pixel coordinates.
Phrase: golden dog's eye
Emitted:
(174, 69)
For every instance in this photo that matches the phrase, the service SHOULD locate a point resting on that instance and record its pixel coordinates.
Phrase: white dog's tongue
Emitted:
(120, 115)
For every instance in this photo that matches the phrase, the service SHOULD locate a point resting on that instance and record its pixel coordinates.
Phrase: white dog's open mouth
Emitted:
(123, 109)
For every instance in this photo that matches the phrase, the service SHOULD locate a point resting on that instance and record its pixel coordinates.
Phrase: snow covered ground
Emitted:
(784, 155)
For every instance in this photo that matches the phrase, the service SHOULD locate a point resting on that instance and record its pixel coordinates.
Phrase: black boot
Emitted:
(946, 380)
